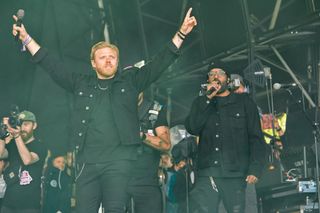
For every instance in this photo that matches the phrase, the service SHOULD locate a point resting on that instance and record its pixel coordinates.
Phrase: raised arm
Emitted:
(4, 141)
(188, 23)
(25, 38)
(161, 61)
(26, 156)
(3, 150)
(53, 65)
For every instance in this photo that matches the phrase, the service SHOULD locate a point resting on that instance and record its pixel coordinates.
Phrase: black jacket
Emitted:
(57, 191)
(230, 134)
(124, 93)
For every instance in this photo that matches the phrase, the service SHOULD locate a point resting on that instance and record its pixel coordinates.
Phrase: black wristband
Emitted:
(182, 33)
(180, 36)
(143, 136)
(278, 129)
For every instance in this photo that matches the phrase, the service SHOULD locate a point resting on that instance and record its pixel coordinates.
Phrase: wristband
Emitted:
(16, 136)
(180, 36)
(182, 33)
(27, 41)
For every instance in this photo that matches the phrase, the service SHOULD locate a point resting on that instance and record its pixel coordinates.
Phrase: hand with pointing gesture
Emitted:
(188, 24)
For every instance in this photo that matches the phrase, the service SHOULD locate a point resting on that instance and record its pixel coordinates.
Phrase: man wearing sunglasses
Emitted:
(231, 151)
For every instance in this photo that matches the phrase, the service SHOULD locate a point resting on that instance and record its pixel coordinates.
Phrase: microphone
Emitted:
(259, 73)
(20, 15)
(278, 86)
(210, 91)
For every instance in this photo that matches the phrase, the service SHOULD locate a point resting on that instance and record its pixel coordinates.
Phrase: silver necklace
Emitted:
(102, 88)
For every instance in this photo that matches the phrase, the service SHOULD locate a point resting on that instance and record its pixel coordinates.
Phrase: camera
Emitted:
(3, 131)
(13, 121)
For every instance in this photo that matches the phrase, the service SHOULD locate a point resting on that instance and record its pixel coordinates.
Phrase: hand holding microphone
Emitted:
(18, 19)
(18, 30)
(20, 33)
(212, 88)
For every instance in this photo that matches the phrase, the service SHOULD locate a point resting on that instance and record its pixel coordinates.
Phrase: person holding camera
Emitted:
(105, 121)
(26, 156)
(231, 149)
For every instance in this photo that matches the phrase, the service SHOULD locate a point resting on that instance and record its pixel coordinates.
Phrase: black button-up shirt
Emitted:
(123, 94)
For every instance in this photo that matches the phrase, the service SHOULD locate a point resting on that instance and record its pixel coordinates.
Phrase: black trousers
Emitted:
(146, 199)
(5, 209)
(207, 193)
(104, 183)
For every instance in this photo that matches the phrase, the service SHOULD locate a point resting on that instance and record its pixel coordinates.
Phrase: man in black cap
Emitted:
(26, 159)
(231, 150)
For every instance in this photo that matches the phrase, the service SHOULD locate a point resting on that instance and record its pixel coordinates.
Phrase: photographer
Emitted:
(26, 159)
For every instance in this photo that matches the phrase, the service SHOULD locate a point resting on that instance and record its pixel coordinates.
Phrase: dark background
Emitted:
(140, 28)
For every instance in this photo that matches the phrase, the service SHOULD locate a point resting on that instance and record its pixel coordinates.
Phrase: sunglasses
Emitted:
(217, 72)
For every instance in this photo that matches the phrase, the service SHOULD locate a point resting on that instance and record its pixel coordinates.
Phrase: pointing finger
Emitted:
(188, 13)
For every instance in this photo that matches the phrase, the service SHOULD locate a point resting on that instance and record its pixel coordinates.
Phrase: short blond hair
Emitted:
(101, 45)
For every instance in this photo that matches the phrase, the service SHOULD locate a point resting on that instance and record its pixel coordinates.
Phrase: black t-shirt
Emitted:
(162, 118)
(102, 141)
(25, 192)
(145, 170)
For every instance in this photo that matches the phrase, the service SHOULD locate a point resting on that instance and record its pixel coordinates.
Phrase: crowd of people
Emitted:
(120, 138)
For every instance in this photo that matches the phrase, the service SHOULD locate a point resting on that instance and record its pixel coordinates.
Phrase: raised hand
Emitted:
(22, 31)
(26, 40)
(188, 23)
(251, 179)
(14, 132)
(216, 85)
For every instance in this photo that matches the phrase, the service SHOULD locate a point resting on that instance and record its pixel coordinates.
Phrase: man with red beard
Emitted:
(26, 159)
(105, 131)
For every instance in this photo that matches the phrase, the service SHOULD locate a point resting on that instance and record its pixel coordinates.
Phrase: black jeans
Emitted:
(147, 199)
(5, 209)
(205, 199)
(104, 183)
